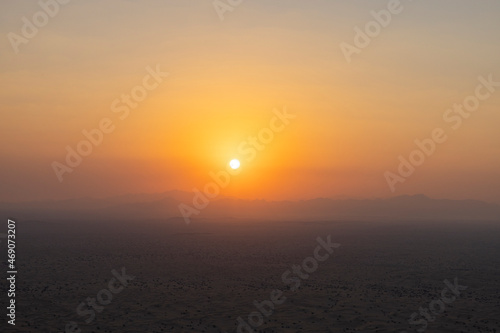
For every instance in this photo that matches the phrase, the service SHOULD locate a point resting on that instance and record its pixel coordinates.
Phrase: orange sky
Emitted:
(225, 79)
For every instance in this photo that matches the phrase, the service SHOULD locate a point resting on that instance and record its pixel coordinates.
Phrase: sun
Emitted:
(234, 164)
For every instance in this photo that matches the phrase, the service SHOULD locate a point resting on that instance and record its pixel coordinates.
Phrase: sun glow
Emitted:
(234, 164)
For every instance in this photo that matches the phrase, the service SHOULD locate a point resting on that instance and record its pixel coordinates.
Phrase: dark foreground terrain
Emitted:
(203, 277)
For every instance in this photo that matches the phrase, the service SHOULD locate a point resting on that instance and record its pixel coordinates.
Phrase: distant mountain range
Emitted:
(166, 206)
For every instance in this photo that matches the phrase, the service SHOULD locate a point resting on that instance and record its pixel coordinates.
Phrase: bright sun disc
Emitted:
(234, 164)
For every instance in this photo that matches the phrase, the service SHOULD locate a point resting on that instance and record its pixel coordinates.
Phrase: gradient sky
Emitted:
(225, 79)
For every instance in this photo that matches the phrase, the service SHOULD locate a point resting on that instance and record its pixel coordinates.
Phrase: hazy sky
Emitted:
(353, 120)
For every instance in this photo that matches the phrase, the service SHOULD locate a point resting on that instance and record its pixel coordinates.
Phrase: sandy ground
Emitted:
(202, 277)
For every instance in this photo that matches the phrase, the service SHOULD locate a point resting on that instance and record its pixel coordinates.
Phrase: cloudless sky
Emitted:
(226, 77)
